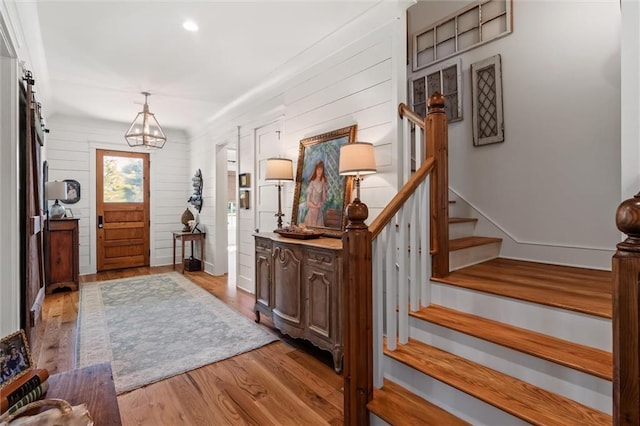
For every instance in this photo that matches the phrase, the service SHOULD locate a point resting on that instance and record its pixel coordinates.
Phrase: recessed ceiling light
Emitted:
(190, 26)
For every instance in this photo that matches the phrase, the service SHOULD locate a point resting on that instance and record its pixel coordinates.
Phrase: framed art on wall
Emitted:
(244, 180)
(244, 200)
(321, 194)
(73, 191)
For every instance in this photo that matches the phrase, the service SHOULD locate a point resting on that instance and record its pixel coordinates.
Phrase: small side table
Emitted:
(184, 237)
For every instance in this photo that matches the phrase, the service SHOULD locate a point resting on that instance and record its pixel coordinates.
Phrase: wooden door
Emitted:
(122, 207)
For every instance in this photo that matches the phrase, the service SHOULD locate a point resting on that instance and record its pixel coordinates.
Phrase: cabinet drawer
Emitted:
(321, 259)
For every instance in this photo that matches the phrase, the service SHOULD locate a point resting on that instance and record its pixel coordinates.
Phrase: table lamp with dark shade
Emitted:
(56, 190)
(279, 169)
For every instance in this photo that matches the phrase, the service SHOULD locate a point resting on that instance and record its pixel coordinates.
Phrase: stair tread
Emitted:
(466, 242)
(579, 357)
(397, 405)
(577, 289)
(514, 396)
(462, 219)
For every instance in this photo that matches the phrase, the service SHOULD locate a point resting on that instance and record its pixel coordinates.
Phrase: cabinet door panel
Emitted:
(319, 302)
(61, 256)
(263, 281)
(287, 268)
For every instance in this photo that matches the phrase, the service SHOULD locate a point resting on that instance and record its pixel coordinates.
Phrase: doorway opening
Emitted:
(232, 219)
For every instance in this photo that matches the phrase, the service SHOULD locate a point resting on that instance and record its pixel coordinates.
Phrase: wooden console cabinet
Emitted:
(299, 284)
(61, 254)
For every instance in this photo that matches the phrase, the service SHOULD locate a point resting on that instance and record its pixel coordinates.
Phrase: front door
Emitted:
(122, 206)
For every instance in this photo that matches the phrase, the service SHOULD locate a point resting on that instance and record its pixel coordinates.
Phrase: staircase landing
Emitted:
(576, 289)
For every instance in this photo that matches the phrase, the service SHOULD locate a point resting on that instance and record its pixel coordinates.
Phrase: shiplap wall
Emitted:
(70, 152)
(355, 85)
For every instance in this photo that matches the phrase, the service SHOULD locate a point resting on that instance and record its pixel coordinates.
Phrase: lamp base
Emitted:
(56, 211)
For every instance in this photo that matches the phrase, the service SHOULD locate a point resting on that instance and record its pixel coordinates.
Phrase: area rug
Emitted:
(158, 326)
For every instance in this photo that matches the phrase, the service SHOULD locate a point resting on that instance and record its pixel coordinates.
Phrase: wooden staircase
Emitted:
(503, 342)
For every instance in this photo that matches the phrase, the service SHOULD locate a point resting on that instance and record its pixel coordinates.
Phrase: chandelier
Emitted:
(145, 130)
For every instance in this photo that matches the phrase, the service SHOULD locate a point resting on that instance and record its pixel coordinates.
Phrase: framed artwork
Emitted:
(244, 200)
(73, 191)
(321, 194)
(486, 101)
(244, 180)
(15, 357)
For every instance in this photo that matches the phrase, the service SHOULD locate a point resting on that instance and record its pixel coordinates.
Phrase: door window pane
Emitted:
(122, 180)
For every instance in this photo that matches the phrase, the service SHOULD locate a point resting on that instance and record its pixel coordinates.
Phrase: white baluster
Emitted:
(391, 287)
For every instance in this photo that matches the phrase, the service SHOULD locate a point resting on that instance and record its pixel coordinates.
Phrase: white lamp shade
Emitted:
(55, 190)
(279, 169)
(357, 158)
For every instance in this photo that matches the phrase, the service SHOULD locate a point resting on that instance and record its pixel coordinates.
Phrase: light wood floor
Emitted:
(283, 383)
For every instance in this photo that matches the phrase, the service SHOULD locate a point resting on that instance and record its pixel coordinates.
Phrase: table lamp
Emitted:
(56, 190)
(357, 159)
(280, 169)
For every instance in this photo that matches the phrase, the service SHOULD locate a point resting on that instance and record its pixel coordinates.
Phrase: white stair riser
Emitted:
(461, 230)
(446, 397)
(583, 388)
(567, 325)
(459, 259)
(377, 421)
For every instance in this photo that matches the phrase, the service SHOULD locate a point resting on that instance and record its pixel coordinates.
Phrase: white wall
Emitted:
(555, 181)
(351, 82)
(70, 151)
(630, 157)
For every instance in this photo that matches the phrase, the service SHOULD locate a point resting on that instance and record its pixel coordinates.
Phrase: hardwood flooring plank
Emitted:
(308, 390)
(283, 402)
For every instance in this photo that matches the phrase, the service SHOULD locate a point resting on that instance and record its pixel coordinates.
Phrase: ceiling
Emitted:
(101, 54)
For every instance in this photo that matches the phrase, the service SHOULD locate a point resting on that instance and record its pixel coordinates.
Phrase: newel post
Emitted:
(626, 340)
(436, 135)
(357, 315)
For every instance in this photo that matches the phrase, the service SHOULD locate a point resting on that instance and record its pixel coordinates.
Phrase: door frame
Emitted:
(9, 232)
(146, 196)
(93, 198)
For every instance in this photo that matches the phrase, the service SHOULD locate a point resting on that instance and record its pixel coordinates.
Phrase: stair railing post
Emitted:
(626, 308)
(357, 315)
(436, 139)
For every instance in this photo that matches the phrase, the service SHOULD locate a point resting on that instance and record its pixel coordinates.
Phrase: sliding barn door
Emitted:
(31, 213)
(122, 206)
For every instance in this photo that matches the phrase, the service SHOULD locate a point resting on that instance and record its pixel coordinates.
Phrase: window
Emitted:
(476, 24)
(446, 80)
(123, 180)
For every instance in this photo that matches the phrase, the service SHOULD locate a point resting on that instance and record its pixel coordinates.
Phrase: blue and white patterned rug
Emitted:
(158, 326)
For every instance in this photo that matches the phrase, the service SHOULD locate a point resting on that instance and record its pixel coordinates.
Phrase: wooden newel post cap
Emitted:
(628, 221)
(436, 100)
(357, 212)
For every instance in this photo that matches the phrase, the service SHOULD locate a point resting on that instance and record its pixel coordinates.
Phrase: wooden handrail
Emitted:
(401, 197)
(626, 332)
(405, 111)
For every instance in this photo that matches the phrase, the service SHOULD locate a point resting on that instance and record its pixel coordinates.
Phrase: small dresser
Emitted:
(61, 254)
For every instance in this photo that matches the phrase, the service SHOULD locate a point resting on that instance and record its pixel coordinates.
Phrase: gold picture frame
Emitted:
(321, 197)
(15, 358)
